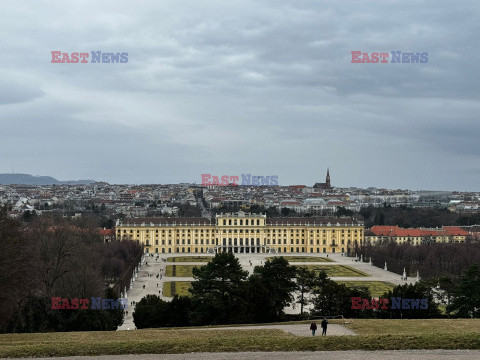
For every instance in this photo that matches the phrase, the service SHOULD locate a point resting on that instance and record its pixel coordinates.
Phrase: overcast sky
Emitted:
(236, 87)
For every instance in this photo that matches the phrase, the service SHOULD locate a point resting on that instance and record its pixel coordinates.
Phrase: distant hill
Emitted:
(27, 179)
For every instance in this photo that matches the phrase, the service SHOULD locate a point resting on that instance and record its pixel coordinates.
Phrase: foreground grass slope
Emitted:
(372, 335)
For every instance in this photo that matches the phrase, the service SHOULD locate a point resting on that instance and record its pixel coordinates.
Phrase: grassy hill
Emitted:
(372, 335)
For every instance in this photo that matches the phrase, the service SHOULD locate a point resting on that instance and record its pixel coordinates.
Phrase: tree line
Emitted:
(403, 216)
(435, 260)
(409, 217)
(49, 257)
(223, 293)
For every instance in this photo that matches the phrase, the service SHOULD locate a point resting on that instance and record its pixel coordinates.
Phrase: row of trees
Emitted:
(403, 216)
(408, 217)
(223, 293)
(48, 258)
(461, 294)
(435, 261)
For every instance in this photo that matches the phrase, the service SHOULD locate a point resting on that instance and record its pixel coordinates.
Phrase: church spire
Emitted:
(327, 180)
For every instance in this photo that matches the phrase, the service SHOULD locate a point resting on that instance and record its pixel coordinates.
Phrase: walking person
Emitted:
(324, 326)
(313, 327)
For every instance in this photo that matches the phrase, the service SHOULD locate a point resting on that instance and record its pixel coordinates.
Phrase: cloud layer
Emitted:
(262, 87)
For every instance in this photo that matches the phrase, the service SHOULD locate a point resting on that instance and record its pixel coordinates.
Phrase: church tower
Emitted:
(326, 184)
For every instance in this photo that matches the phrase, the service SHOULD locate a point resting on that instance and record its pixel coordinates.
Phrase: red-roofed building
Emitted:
(387, 234)
(108, 234)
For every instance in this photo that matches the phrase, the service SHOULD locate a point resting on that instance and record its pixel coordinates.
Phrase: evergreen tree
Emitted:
(305, 281)
(420, 290)
(216, 293)
(269, 289)
(151, 312)
(466, 301)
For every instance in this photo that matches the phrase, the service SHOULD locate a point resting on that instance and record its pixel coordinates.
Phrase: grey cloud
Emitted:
(16, 90)
(257, 86)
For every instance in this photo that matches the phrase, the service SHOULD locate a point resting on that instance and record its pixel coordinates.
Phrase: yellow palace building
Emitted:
(243, 233)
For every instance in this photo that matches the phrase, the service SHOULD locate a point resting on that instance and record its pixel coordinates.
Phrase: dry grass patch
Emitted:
(181, 288)
(293, 259)
(181, 259)
(180, 270)
(415, 326)
(376, 288)
(335, 270)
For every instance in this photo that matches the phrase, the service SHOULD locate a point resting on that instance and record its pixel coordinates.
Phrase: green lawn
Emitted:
(180, 288)
(190, 259)
(372, 335)
(377, 288)
(335, 270)
(293, 259)
(180, 270)
(415, 327)
(331, 270)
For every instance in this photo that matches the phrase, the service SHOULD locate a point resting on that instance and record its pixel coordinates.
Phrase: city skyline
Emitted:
(199, 183)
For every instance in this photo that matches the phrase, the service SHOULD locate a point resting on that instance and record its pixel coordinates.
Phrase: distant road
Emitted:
(303, 355)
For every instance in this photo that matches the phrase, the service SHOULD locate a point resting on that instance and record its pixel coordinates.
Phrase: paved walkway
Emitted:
(152, 267)
(296, 355)
(297, 330)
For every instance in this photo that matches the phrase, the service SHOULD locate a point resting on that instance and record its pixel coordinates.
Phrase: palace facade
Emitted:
(243, 233)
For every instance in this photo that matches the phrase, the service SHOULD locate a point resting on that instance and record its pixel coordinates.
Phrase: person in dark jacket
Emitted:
(313, 327)
(324, 326)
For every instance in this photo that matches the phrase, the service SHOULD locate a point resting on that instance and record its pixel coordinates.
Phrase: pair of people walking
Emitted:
(324, 324)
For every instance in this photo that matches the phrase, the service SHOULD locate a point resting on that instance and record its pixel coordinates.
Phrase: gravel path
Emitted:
(298, 330)
(297, 355)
